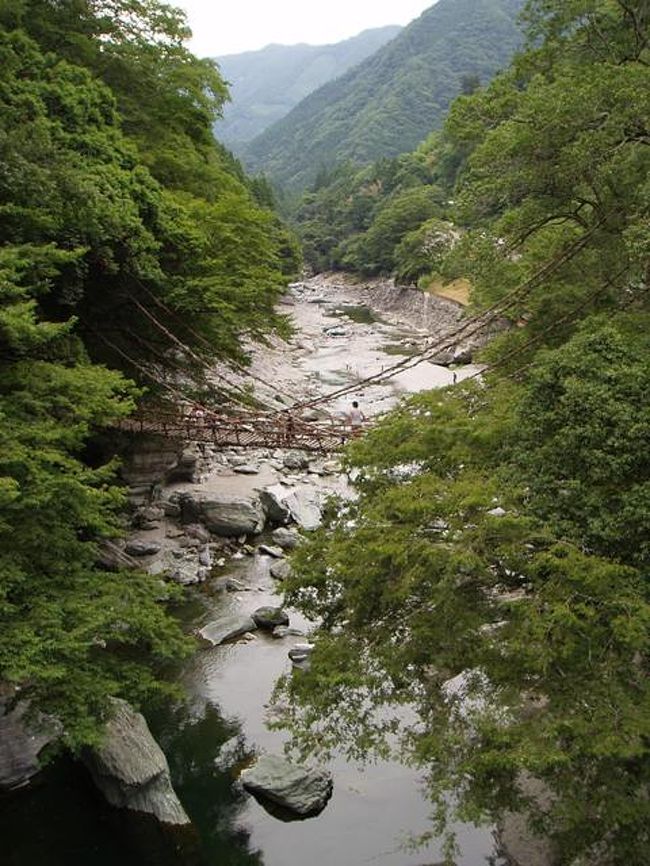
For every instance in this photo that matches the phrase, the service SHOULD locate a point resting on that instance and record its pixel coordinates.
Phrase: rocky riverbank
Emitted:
(197, 509)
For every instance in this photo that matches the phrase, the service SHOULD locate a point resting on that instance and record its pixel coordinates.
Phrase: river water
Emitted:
(61, 821)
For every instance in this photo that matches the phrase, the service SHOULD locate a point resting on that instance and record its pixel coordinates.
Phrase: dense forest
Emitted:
(266, 84)
(387, 104)
(122, 222)
(493, 575)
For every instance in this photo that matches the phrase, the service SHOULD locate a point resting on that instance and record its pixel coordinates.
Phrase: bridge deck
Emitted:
(243, 430)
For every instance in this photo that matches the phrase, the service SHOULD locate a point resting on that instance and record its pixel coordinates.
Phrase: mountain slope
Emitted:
(266, 84)
(390, 102)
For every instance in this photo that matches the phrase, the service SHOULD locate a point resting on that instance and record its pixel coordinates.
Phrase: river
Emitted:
(60, 821)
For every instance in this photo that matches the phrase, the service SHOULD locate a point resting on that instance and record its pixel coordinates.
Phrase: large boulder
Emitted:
(284, 504)
(130, 769)
(21, 741)
(517, 840)
(280, 570)
(183, 567)
(138, 547)
(300, 789)
(227, 628)
(231, 516)
(113, 558)
(295, 460)
(273, 500)
(270, 617)
(305, 509)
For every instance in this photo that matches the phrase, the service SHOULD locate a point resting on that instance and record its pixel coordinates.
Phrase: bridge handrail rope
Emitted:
(185, 348)
(568, 318)
(231, 363)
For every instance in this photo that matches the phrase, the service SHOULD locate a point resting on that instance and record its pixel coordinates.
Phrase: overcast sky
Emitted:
(246, 25)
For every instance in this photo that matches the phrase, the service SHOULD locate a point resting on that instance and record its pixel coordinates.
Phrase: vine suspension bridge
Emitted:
(241, 425)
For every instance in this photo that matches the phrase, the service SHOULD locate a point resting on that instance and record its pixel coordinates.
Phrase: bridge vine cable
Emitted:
(448, 340)
(278, 427)
(569, 318)
(467, 329)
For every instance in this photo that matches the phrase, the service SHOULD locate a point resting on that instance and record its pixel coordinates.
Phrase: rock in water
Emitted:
(130, 769)
(270, 617)
(275, 552)
(231, 517)
(227, 628)
(20, 745)
(297, 788)
(285, 538)
(282, 631)
(280, 570)
(300, 656)
(246, 469)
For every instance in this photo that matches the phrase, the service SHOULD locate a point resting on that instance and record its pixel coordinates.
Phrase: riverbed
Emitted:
(340, 338)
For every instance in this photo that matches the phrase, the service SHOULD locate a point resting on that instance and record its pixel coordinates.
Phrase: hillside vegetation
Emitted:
(265, 85)
(493, 575)
(121, 221)
(391, 101)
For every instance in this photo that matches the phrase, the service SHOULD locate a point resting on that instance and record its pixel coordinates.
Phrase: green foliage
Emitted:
(357, 219)
(390, 102)
(398, 216)
(129, 241)
(492, 576)
(584, 422)
(473, 562)
(72, 634)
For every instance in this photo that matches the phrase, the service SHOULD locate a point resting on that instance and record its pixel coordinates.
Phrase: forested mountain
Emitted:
(389, 218)
(493, 575)
(265, 85)
(391, 101)
(130, 243)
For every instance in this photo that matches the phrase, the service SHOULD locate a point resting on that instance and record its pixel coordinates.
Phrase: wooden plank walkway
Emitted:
(245, 430)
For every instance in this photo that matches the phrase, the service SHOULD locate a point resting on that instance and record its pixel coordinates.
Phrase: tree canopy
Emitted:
(492, 576)
(131, 244)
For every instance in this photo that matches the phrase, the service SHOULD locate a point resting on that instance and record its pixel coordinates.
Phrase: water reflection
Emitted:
(206, 788)
(62, 820)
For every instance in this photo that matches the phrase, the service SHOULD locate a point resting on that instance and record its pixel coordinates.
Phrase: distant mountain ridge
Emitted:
(391, 101)
(267, 84)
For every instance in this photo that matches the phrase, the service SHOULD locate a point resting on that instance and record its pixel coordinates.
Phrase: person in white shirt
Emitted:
(356, 417)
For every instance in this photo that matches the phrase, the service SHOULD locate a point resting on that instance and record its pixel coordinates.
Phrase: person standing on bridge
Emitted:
(289, 430)
(356, 418)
